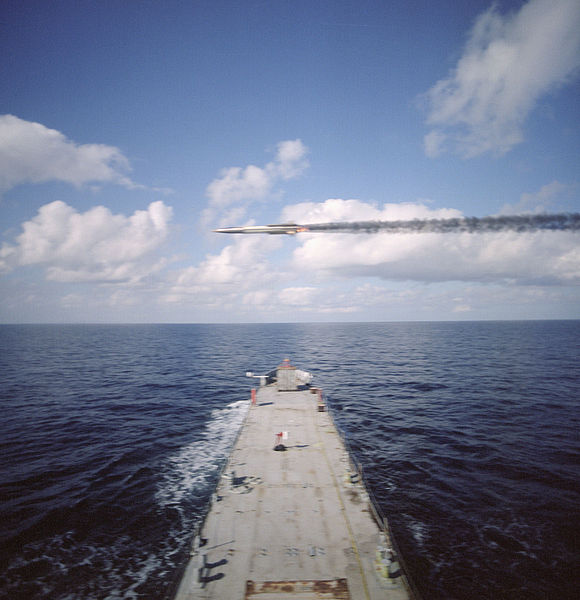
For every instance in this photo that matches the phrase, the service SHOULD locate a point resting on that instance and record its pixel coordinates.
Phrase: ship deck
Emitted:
(288, 524)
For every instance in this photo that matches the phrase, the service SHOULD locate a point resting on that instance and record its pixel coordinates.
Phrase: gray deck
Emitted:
(288, 524)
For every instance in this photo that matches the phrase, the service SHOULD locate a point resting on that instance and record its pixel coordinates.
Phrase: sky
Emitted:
(130, 130)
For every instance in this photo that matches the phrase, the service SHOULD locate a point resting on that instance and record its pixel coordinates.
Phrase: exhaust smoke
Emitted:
(518, 223)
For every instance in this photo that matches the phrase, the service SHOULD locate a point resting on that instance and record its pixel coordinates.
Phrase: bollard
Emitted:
(321, 407)
(279, 447)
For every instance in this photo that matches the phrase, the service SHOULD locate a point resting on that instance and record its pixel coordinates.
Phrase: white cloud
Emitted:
(537, 202)
(509, 62)
(238, 263)
(336, 209)
(298, 296)
(462, 308)
(93, 246)
(290, 160)
(237, 274)
(33, 153)
(238, 186)
(541, 257)
(433, 143)
(258, 299)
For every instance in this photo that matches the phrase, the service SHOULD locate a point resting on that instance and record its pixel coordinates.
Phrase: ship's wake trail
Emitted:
(518, 223)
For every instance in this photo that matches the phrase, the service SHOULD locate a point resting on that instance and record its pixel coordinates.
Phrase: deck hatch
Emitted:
(332, 589)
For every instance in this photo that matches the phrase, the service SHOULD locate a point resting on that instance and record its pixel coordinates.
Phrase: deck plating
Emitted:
(293, 524)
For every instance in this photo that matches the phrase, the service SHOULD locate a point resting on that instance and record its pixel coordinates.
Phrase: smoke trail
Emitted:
(518, 223)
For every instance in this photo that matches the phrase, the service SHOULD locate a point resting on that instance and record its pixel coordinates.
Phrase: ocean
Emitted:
(112, 438)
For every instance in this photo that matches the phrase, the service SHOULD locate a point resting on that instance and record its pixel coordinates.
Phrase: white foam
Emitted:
(195, 465)
(418, 531)
(138, 576)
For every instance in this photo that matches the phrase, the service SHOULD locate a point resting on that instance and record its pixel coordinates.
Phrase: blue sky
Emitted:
(129, 130)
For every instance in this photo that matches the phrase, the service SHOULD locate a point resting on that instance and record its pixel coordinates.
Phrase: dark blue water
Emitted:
(112, 437)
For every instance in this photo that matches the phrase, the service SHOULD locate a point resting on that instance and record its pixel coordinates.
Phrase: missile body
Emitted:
(279, 229)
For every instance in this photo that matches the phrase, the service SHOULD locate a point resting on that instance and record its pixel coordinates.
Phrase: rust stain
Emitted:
(337, 588)
(249, 588)
(333, 589)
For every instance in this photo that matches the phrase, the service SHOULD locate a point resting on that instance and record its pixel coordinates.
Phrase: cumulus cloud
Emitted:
(244, 279)
(538, 202)
(93, 246)
(336, 209)
(298, 296)
(539, 258)
(509, 62)
(238, 187)
(33, 153)
(228, 278)
(543, 257)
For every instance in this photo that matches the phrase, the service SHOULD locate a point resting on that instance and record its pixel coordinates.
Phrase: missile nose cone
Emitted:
(227, 230)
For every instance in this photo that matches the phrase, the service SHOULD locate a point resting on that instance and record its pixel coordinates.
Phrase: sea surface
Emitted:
(112, 438)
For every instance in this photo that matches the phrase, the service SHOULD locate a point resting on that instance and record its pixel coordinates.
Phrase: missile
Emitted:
(278, 229)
